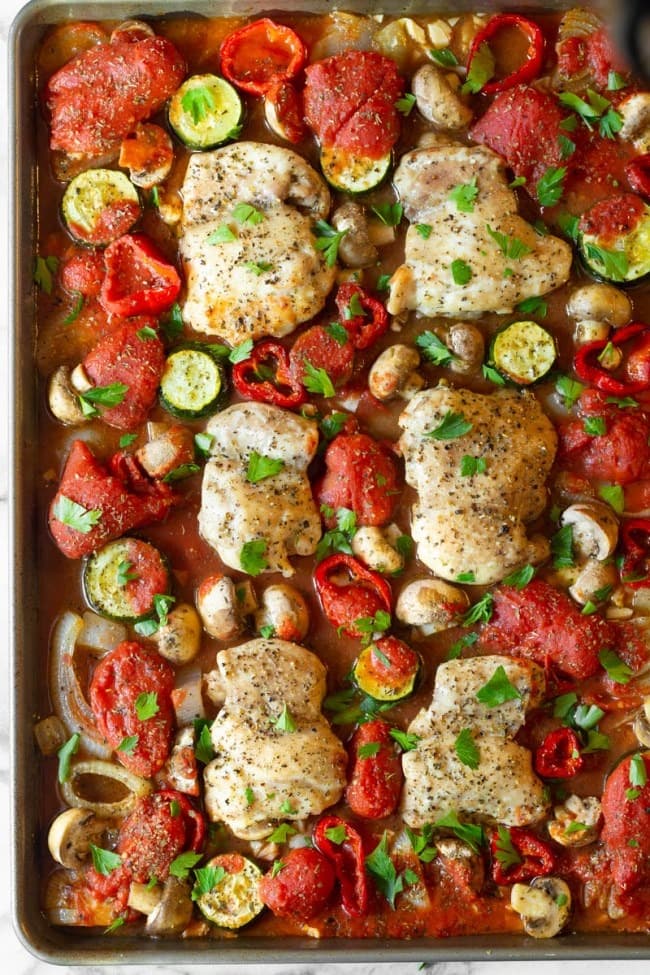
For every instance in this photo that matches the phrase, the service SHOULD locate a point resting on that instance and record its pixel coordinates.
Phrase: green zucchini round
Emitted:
(121, 579)
(387, 673)
(193, 383)
(99, 205)
(614, 240)
(353, 174)
(205, 112)
(234, 900)
(523, 352)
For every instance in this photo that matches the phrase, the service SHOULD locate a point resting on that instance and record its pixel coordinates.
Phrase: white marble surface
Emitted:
(14, 957)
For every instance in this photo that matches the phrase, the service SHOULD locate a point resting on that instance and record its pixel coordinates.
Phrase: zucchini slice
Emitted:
(523, 352)
(100, 205)
(232, 899)
(193, 383)
(205, 112)
(614, 239)
(353, 174)
(387, 670)
(121, 579)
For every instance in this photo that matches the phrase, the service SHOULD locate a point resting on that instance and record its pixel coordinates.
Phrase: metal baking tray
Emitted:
(76, 947)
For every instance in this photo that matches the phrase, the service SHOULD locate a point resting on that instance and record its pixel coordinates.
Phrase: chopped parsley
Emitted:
(389, 213)
(550, 187)
(240, 352)
(562, 547)
(282, 833)
(434, 349)
(481, 69)
(617, 669)
(128, 744)
(104, 861)
(472, 465)
(408, 742)
(267, 631)
(521, 577)
(421, 843)
(245, 213)
(203, 749)
(44, 270)
(369, 750)
(614, 495)
(338, 539)
(466, 749)
(339, 332)
(73, 515)
(382, 869)
(505, 852)
(464, 196)
(65, 753)
(109, 396)
(613, 264)
(284, 721)
(258, 267)
(75, 311)
(251, 557)
(452, 426)
(221, 235)
(533, 306)
(498, 690)
(455, 650)
(424, 230)
(569, 389)
(261, 467)
(316, 380)
(332, 424)
(180, 867)
(595, 426)
(481, 611)
(336, 834)
(443, 56)
(468, 832)
(198, 102)
(328, 240)
(511, 247)
(404, 105)
(492, 375)
(127, 439)
(461, 272)
(146, 705)
(206, 879)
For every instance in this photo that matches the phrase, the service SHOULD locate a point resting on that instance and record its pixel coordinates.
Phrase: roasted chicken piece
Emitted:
(277, 512)
(256, 272)
(276, 757)
(476, 524)
(481, 256)
(495, 782)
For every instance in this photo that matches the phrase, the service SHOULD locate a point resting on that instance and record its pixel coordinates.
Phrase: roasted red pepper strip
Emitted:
(349, 862)
(251, 377)
(139, 279)
(260, 54)
(346, 603)
(638, 174)
(534, 55)
(558, 757)
(537, 859)
(589, 369)
(364, 329)
(635, 539)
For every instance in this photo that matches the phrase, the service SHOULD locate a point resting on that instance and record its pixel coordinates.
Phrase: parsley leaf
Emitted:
(282, 833)
(180, 867)
(369, 750)
(109, 396)
(567, 146)
(146, 705)
(336, 834)
(251, 557)
(443, 56)
(203, 749)
(404, 105)
(466, 749)
(104, 861)
(613, 264)
(368, 625)
(533, 306)
(569, 389)
(434, 349)
(614, 495)
(617, 670)
(481, 69)
(65, 753)
(637, 773)
(207, 878)
(569, 225)
(510, 247)
(455, 650)
(317, 380)
(75, 311)
(73, 515)
(245, 213)
(172, 324)
(284, 721)
(595, 426)
(464, 196)
(492, 375)
(328, 240)
(497, 690)
(615, 81)
(267, 631)
(44, 269)
(127, 439)
(504, 851)
(407, 742)
(468, 832)
(550, 187)
(451, 426)
(389, 213)
(198, 102)
(258, 267)
(424, 230)
(128, 744)
(221, 235)
(481, 611)
(241, 352)
(520, 578)
(261, 467)
(382, 869)
(421, 843)
(339, 332)
(562, 548)
(382, 282)
(461, 272)
(472, 465)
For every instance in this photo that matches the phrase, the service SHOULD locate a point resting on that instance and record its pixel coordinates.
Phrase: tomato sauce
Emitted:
(435, 903)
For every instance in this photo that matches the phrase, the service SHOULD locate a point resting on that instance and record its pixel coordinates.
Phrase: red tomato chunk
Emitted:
(362, 476)
(302, 885)
(375, 771)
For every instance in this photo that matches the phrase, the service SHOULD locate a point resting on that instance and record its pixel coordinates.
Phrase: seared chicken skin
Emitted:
(274, 750)
(277, 510)
(476, 524)
(502, 787)
(506, 259)
(255, 275)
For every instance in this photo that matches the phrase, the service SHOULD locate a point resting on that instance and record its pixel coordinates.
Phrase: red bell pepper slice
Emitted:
(536, 858)
(364, 328)
(349, 862)
(533, 58)
(345, 603)
(266, 377)
(260, 54)
(139, 279)
(638, 174)
(635, 539)
(589, 370)
(558, 757)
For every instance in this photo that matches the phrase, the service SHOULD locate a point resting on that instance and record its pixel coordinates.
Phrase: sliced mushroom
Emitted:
(594, 582)
(595, 529)
(355, 248)
(394, 373)
(599, 305)
(62, 398)
(79, 379)
(544, 906)
(284, 609)
(437, 101)
(179, 639)
(467, 345)
(576, 821)
(430, 605)
(167, 449)
(219, 607)
(642, 724)
(71, 834)
(174, 910)
(371, 545)
(180, 769)
(635, 112)
(144, 898)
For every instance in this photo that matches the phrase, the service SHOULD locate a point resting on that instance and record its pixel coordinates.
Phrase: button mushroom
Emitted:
(544, 906)
(576, 821)
(595, 529)
(179, 639)
(430, 605)
(62, 398)
(355, 247)
(284, 609)
(596, 307)
(371, 545)
(642, 724)
(169, 909)
(437, 101)
(467, 346)
(219, 607)
(71, 834)
(394, 373)
(635, 112)
(594, 583)
(50, 734)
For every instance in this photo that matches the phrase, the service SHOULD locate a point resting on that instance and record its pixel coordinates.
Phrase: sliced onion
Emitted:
(137, 786)
(187, 697)
(68, 698)
(345, 32)
(577, 22)
(101, 634)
